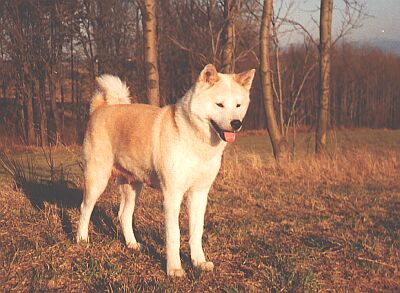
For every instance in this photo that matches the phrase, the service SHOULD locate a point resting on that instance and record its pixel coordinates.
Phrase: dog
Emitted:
(177, 148)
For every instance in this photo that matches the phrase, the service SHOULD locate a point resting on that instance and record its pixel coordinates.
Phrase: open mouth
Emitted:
(228, 136)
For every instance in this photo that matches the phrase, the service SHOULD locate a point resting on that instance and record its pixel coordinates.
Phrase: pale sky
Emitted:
(383, 21)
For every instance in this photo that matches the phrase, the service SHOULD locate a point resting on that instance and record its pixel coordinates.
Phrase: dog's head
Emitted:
(222, 100)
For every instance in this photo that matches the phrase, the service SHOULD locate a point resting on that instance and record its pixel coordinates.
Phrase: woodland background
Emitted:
(51, 52)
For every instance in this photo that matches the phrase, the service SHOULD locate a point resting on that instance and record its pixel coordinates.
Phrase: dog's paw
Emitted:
(82, 238)
(135, 246)
(176, 273)
(206, 266)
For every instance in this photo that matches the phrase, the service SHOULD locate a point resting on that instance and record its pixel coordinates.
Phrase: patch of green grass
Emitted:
(305, 142)
(99, 274)
(282, 275)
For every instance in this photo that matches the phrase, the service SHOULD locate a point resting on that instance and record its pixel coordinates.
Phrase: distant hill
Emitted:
(386, 45)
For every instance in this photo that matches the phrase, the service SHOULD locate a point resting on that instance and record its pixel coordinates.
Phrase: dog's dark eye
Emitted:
(238, 105)
(220, 105)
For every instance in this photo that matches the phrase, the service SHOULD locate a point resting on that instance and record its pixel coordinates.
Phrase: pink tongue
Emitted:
(229, 136)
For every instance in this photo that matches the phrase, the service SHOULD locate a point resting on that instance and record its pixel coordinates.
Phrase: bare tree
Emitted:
(52, 50)
(231, 8)
(277, 140)
(57, 35)
(352, 13)
(19, 33)
(288, 82)
(148, 8)
(324, 74)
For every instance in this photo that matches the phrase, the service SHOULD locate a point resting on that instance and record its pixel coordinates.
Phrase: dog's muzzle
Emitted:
(228, 136)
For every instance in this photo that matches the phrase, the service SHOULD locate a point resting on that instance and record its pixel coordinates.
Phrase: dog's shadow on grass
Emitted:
(58, 193)
(65, 196)
(53, 187)
(151, 239)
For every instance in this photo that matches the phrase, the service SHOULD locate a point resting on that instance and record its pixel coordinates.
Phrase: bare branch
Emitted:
(302, 27)
(190, 50)
(296, 98)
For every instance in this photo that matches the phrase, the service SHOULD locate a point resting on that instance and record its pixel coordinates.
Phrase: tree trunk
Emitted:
(51, 65)
(55, 118)
(62, 116)
(324, 74)
(4, 89)
(30, 124)
(279, 145)
(20, 115)
(231, 8)
(148, 8)
(42, 110)
(79, 127)
(72, 71)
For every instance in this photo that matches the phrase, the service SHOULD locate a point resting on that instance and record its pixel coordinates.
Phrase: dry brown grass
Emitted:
(312, 224)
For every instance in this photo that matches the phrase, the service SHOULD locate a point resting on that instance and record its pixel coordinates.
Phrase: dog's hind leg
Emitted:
(121, 181)
(129, 193)
(96, 179)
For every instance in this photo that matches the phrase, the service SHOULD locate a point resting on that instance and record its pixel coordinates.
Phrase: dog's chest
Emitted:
(192, 170)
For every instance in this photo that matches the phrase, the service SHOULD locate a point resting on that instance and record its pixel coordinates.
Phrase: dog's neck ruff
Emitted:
(202, 130)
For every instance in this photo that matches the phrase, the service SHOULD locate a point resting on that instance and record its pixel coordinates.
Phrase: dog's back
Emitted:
(119, 132)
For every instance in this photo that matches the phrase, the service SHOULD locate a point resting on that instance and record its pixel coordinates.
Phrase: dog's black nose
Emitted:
(236, 124)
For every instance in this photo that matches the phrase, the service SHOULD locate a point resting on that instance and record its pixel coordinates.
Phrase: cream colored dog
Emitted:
(177, 148)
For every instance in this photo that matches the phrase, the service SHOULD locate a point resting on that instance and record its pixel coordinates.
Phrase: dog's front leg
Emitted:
(197, 201)
(172, 204)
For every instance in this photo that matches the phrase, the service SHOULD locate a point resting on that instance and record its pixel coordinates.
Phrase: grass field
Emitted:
(326, 224)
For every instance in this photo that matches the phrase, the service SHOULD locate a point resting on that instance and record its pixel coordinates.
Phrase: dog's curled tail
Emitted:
(112, 91)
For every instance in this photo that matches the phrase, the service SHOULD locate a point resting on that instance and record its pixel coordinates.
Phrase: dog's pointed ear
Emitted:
(209, 75)
(245, 79)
